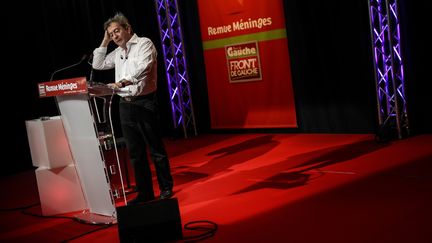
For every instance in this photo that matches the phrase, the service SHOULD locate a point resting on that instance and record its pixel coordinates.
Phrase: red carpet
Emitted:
(271, 188)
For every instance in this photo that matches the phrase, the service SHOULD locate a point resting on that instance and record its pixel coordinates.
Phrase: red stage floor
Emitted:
(270, 188)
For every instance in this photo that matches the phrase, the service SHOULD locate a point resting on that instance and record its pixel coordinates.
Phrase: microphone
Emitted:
(90, 81)
(73, 65)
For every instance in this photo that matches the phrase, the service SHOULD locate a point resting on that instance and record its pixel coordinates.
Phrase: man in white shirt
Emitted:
(135, 64)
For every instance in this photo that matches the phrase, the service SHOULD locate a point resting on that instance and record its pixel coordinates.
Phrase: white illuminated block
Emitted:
(59, 190)
(49, 146)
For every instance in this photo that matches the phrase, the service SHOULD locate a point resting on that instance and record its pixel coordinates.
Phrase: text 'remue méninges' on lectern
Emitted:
(63, 87)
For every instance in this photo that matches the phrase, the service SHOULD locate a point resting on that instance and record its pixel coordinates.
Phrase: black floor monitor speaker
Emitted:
(156, 221)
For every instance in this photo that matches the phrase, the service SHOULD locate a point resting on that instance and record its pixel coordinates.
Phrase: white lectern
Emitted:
(74, 100)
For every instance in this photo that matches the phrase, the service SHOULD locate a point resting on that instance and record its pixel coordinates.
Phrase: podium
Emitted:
(82, 119)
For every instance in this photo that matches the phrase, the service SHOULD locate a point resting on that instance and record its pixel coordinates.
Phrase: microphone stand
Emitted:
(90, 61)
(73, 65)
(62, 69)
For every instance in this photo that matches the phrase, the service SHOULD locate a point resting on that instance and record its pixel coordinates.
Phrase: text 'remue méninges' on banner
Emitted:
(247, 64)
(63, 87)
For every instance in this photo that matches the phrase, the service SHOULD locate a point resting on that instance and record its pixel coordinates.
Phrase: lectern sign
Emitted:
(63, 87)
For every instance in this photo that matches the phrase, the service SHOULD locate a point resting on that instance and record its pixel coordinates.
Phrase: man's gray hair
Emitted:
(118, 18)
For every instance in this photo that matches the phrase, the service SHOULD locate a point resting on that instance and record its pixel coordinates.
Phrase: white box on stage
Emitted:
(59, 190)
(49, 146)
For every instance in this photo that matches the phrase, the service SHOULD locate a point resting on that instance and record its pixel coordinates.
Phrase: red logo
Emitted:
(243, 62)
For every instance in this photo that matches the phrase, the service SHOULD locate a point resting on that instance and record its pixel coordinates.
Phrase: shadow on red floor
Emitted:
(269, 188)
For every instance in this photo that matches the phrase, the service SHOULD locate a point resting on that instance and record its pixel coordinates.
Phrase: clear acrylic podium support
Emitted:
(101, 98)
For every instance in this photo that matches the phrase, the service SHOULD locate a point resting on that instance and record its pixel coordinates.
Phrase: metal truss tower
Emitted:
(175, 64)
(388, 62)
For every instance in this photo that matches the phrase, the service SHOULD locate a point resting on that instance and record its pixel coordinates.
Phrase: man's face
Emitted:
(118, 34)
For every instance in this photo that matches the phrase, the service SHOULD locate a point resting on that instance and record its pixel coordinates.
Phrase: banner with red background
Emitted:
(63, 87)
(247, 64)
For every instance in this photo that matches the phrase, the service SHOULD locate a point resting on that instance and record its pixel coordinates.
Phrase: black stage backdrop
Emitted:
(330, 51)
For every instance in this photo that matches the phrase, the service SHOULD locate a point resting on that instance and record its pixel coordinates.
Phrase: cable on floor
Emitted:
(207, 226)
(18, 208)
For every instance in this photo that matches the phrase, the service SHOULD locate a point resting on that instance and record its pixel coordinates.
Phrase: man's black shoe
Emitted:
(166, 194)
